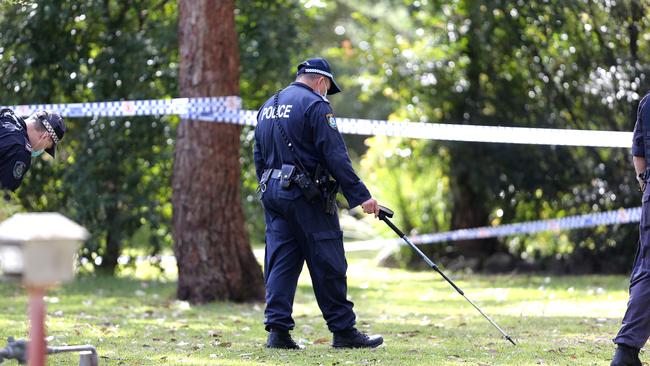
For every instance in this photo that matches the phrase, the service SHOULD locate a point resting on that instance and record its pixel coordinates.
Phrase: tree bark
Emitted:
(113, 245)
(215, 261)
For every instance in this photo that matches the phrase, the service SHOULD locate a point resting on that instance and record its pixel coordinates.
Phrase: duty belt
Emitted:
(268, 174)
(275, 174)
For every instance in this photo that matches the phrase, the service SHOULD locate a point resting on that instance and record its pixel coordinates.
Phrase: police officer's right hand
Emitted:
(641, 178)
(642, 185)
(371, 206)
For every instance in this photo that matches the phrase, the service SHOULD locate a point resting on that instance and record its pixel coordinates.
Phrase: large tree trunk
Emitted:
(469, 207)
(215, 261)
(113, 245)
(113, 240)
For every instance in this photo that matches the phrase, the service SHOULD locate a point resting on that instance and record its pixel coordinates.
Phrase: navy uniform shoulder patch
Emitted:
(19, 169)
(331, 121)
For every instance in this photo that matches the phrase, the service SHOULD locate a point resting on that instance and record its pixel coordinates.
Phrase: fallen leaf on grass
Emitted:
(409, 333)
(321, 341)
(456, 358)
(111, 358)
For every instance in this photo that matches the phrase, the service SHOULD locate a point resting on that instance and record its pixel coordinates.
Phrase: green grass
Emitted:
(555, 320)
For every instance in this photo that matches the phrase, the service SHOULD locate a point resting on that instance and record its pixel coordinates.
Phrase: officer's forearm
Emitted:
(354, 190)
(639, 164)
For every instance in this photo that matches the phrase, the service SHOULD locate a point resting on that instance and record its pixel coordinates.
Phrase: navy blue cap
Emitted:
(320, 66)
(55, 127)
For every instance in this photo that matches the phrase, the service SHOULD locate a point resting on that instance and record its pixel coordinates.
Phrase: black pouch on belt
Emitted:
(307, 186)
(286, 175)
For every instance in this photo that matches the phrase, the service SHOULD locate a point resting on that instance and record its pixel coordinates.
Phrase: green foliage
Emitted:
(402, 173)
(411, 177)
(9, 205)
(554, 64)
(10, 3)
(111, 174)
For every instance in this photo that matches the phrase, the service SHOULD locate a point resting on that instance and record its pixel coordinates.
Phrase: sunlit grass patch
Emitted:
(134, 320)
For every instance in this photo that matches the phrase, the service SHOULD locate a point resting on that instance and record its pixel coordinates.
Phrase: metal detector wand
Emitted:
(384, 215)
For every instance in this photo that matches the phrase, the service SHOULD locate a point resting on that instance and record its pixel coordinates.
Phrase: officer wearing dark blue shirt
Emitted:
(635, 329)
(296, 138)
(21, 139)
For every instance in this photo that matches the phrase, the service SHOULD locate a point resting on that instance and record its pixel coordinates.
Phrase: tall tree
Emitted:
(214, 257)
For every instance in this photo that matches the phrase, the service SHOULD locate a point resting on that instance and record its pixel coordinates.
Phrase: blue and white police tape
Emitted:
(622, 216)
(186, 107)
(454, 132)
(227, 110)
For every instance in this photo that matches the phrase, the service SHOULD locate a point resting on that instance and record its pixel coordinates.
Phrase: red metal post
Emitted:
(36, 346)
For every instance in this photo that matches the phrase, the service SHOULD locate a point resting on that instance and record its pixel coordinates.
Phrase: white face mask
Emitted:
(42, 142)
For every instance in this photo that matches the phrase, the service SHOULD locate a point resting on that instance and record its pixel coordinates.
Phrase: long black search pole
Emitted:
(384, 215)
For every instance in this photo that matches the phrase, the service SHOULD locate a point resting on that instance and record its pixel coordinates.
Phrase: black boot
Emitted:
(280, 339)
(626, 356)
(352, 338)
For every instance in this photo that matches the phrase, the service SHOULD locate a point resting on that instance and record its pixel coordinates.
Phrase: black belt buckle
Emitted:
(286, 175)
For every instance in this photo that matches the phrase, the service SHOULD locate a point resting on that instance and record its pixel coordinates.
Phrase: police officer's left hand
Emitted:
(371, 206)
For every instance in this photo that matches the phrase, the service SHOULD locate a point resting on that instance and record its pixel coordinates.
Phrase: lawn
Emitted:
(134, 320)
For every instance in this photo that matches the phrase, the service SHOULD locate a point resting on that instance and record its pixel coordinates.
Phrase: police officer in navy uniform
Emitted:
(296, 130)
(21, 139)
(635, 328)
